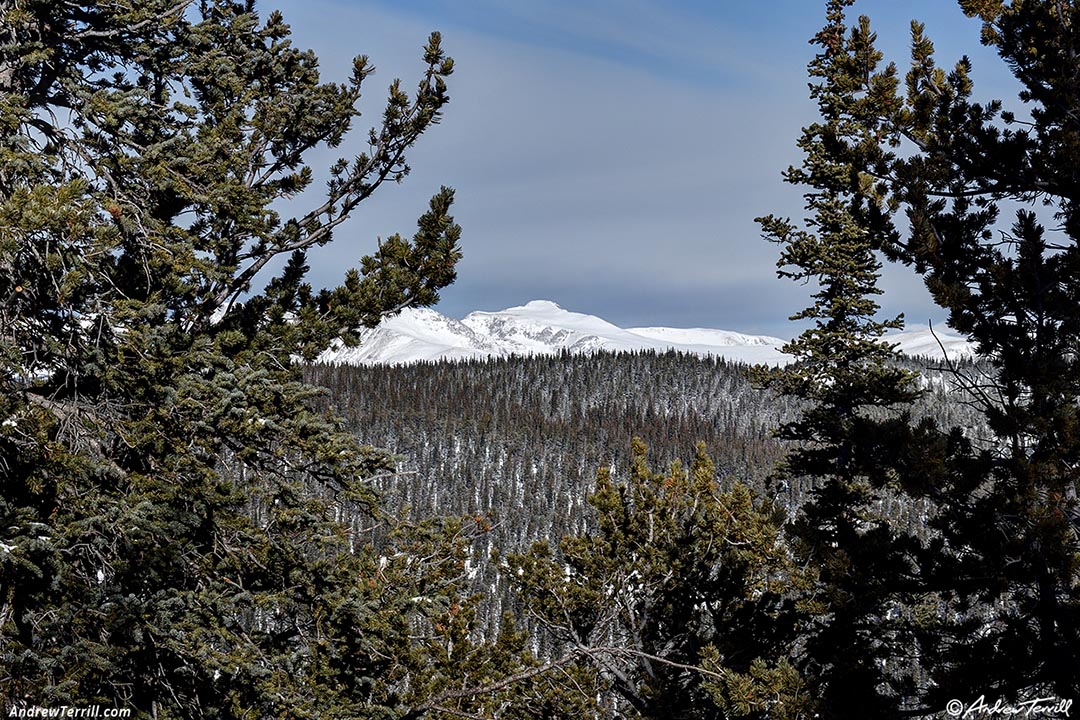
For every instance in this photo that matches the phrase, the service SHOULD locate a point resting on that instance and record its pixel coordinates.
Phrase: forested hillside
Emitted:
(520, 439)
(191, 527)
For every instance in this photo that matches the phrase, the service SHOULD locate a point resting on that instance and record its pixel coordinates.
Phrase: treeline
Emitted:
(187, 529)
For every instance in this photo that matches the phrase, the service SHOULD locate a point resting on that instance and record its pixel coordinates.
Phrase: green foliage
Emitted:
(182, 530)
(924, 173)
(861, 620)
(1013, 289)
(679, 601)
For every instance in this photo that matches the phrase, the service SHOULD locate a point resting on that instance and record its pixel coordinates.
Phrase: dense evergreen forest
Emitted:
(519, 440)
(197, 523)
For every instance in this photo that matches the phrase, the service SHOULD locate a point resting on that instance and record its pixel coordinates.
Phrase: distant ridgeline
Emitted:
(521, 438)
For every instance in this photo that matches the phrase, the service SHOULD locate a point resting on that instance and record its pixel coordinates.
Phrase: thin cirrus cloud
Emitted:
(609, 156)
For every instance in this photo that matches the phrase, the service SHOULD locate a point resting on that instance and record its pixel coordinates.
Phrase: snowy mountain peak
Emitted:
(538, 306)
(542, 327)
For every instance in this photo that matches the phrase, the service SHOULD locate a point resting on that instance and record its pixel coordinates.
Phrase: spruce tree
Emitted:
(1012, 286)
(182, 532)
(680, 604)
(861, 614)
(929, 172)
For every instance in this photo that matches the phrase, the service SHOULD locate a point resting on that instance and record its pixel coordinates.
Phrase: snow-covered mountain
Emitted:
(542, 328)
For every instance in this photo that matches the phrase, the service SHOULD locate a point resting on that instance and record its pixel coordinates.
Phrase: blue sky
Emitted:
(611, 155)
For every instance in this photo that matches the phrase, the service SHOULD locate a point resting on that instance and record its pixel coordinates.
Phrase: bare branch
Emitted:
(436, 702)
(174, 11)
(630, 652)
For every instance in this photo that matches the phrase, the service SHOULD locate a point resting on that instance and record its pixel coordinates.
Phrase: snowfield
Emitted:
(541, 327)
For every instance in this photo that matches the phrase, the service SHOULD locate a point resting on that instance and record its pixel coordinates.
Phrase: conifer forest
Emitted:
(199, 519)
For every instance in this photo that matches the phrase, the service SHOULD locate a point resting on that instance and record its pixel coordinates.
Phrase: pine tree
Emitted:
(182, 531)
(679, 603)
(861, 615)
(952, 166)
(928, 172)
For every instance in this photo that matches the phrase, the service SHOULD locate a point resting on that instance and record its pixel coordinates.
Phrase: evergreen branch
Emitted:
(152, 20)
(527, 674)
(71, 415)
(640, 654)
(385, 161)
(459, 713)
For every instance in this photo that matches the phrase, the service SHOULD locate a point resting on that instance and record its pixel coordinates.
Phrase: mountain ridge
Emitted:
(542, 327)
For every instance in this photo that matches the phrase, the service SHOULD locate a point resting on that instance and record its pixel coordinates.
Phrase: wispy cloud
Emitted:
(609, 155)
